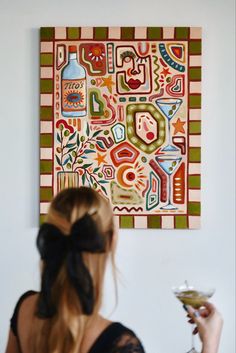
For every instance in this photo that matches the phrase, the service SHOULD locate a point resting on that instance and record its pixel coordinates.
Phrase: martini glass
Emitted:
(169, 108)
(194, 296)
(169, 164)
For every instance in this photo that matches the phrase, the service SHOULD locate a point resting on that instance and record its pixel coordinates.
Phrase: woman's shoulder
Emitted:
(118, 338)
(22, 299)
(127, 340)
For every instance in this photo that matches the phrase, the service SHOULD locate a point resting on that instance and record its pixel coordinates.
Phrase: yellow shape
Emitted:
(107, 82)
(179, 126)
(100, 159)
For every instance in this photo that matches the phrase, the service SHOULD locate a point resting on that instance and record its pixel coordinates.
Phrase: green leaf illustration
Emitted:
(103, 189)
(100, 144)
(103, 181)
(96, 133)
(87, 165)
(72, 136)
(71, 149)
(58, 160)
(89, 151)
(87, 129)
(66, 160)
(83, 178)
(69, 145)
(96, 169)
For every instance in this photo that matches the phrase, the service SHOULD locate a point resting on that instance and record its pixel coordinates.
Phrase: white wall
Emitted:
(150, 261)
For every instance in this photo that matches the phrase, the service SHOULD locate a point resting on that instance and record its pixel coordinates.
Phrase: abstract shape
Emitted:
(176, 87)
(60, 56)
(107, 118)
(108, 171)
(145, 123)
(146, 127)
(76, 123)
(129, 175)
(179, 185)
(143, 48)
(158, 95)
(163, 178)
(152, 197)
(169, 59)
(93, 57)
(110, 58)
(176, 51)
(123, 153)
(123, 196)
(130, 209)
(180, 142)
(108, 142)
(96, 102)
(120, 113)
(126, 176)
(155, 72)
(64, 123)
(118, 131)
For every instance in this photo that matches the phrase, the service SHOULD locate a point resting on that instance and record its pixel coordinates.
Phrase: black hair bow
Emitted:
(56, 248)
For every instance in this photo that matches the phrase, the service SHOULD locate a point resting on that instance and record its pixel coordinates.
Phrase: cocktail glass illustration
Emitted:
(169, 108)
(169, 164)
(194, 296)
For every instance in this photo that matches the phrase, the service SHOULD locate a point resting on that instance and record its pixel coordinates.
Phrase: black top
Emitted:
(116, 338)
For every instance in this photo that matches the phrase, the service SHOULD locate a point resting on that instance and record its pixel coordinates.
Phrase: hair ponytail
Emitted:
(79, 220)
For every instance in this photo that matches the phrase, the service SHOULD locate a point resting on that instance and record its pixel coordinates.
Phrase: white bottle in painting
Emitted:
(73, 79)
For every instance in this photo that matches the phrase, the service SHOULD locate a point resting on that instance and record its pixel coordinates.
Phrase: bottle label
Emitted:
(73, 95)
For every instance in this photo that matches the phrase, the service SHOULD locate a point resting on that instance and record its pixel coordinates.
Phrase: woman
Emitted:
(74, 245)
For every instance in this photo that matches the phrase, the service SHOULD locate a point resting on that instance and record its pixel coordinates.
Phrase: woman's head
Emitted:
(74, 244)
(72, 204)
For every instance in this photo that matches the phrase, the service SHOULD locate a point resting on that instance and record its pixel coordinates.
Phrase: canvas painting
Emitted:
(120, 112)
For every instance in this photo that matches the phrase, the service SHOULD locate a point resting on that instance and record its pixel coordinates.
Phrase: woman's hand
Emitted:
(209, 326)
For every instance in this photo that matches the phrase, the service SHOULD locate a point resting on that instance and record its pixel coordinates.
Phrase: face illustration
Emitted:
(133, 71)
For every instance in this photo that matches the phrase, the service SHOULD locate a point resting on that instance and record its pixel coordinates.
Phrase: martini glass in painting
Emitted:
(169, 108)
(169, 164)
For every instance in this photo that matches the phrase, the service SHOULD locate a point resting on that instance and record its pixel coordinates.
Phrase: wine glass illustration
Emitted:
(169, 108)
(169, 163)
(194, 296)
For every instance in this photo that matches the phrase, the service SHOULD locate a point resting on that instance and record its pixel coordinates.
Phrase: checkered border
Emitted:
(49, 35)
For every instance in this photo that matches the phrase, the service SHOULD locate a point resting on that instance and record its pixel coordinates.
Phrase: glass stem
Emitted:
(192, 339)
(169, 189)
(169, 132)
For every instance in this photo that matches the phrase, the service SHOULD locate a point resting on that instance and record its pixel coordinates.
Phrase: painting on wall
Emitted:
(120, 112)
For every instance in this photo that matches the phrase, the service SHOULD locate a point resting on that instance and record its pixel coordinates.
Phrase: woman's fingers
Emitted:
(209, 307)
(194, 314)
(204, 312)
